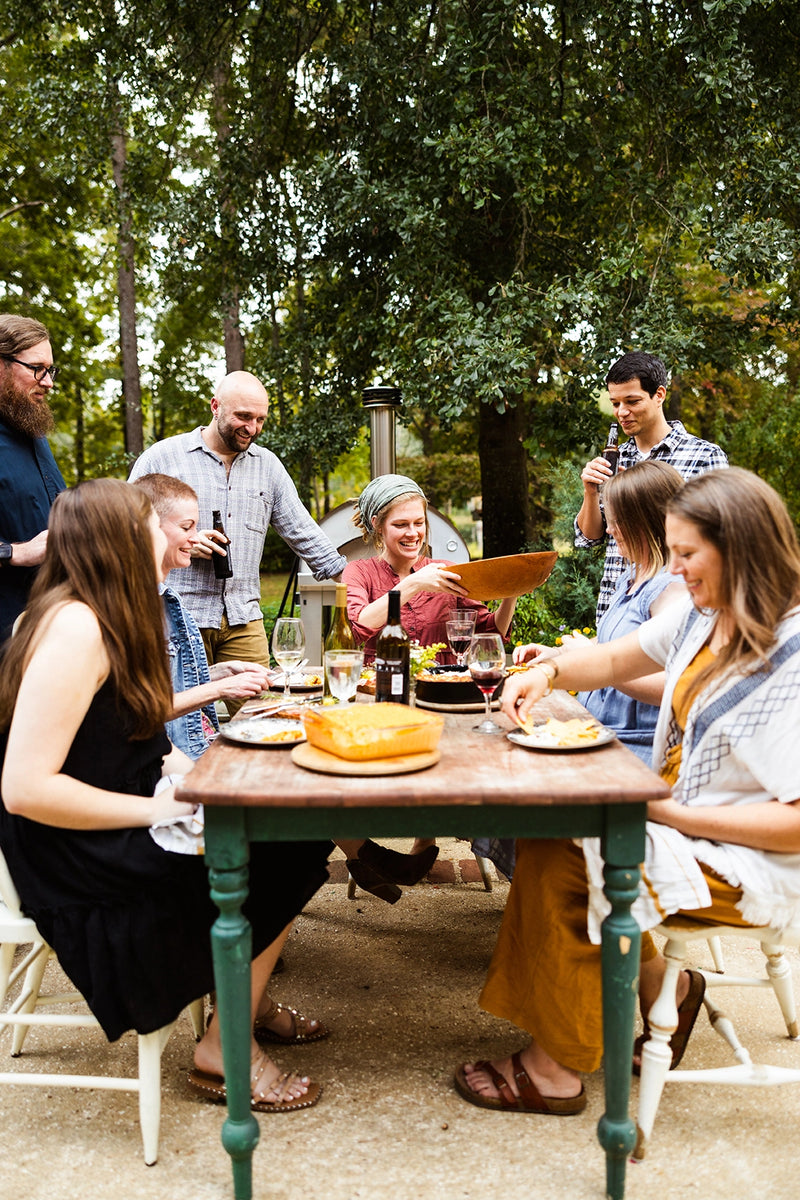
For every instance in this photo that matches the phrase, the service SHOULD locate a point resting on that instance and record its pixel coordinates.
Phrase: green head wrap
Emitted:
(382, 491)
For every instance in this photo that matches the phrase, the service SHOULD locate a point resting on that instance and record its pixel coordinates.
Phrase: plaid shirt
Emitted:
(689, 455)
(258, 492)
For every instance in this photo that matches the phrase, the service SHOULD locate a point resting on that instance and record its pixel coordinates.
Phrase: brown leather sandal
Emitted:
(529, 1100)
(688, 1011)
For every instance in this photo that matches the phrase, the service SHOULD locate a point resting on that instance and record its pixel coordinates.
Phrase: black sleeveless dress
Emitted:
(130, 922)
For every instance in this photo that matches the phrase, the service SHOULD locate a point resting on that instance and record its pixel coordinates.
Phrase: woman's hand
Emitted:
(244, 684)
(434, 577)
(533, 650)
(665, 812)
(520, 693)
(166, 808)
(224, 670)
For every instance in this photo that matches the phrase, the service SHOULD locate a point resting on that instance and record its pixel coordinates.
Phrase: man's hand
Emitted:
(209, 541)
(595, 474)
(29, 554)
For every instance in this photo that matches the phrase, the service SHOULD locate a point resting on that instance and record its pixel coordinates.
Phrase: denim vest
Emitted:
(188, 667)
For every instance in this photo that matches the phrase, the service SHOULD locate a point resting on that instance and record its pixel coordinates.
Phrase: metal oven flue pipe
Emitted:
(382, 404)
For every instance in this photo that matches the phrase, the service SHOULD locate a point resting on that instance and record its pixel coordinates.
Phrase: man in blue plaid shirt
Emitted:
(637, 386)
(252, 490)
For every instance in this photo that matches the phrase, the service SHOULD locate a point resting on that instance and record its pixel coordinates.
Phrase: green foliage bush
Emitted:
(568, 599)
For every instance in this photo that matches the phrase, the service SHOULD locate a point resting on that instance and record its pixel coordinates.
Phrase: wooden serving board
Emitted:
(314, 759)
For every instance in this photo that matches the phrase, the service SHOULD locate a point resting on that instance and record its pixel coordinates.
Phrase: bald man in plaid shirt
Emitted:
(252, 490)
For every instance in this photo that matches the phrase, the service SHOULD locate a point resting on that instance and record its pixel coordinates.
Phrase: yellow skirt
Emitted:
(545, 973)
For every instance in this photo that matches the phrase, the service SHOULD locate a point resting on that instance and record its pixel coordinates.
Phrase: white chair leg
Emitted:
(31, 987)
(197, 1013)
(717, 957)
(150, 1047)
(780, 976)
(656, 1052)
(484, 866)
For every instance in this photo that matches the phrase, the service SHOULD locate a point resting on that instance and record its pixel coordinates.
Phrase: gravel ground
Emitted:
(398, 987)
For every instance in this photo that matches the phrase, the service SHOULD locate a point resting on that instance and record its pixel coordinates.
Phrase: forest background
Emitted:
(483, 203)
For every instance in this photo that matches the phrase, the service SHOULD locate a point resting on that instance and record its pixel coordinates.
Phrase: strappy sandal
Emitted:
(306, 1029)
(529, 1100)
(688, 1011)
(268, 1101)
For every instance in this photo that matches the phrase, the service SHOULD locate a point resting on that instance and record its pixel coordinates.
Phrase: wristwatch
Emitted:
(6, 551)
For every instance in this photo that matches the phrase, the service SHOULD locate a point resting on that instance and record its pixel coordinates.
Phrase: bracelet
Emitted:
(551, 676)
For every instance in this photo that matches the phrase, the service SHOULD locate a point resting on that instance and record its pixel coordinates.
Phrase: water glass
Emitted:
(343, 671)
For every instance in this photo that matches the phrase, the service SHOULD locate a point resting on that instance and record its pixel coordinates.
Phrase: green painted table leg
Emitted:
(623, 844)
(231, 943)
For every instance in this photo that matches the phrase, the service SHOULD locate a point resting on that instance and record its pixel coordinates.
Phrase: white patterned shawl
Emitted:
(741, 745)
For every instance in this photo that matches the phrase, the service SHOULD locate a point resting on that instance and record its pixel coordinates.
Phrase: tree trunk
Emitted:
(504, 480)
(80, 437)
(233, 337)
(126, 295)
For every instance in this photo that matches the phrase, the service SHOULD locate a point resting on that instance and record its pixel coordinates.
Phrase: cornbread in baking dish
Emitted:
(367, 731)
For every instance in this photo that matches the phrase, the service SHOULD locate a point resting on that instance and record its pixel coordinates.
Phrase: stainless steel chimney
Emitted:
(382, 404)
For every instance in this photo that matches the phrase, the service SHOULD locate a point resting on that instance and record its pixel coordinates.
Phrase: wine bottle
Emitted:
(611, 451)
(392, 657)
(222, 565)
(340, 636)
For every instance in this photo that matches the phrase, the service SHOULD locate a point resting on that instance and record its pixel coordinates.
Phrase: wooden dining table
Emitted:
(483, 785)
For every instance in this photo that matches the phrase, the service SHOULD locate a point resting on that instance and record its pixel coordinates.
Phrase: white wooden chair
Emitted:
(20, 1013)
(663, 1018)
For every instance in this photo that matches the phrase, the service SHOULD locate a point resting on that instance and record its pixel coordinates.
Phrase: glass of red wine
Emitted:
(460, 627)
(487, 666)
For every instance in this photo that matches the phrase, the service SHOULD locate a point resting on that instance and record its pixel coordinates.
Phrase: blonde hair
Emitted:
(100, 551)
(163, 491)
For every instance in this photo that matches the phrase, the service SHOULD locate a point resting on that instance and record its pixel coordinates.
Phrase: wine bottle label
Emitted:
(391, 680)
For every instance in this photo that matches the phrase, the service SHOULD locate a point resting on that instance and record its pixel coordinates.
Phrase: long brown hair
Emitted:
(100, 551)
(747, 522)
(636, 500)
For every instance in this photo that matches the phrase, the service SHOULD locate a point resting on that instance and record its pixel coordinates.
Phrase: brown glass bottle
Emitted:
(611, 451)
(222, 565)
(393, 657)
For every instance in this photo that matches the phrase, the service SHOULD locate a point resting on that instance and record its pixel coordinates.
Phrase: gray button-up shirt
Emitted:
(256, 493)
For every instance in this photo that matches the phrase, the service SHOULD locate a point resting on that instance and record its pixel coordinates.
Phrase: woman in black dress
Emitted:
(84, 694)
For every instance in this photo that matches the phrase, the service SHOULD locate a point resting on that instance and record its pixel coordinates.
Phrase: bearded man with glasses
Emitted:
(29, 477)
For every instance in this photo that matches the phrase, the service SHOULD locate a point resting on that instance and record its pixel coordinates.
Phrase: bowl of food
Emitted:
(449, 686)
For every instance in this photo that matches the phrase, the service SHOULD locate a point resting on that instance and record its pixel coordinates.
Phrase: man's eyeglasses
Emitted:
(39, 369)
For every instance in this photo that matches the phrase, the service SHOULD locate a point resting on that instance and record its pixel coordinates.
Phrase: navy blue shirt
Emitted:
(29, 483)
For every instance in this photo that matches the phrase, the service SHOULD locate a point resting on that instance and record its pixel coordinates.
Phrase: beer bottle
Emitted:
(221, 564)
(611, 451)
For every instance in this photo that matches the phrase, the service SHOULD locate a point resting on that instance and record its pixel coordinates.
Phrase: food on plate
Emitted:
(373, 731)
(517, 668)
(366, 683)
(578, 731)
(444, 676)
(281, 735)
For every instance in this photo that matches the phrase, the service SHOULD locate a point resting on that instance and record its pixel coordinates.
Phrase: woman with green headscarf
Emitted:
(392, 514)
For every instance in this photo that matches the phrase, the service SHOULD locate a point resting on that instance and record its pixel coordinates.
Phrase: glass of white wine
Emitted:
(343, 671)
(288, 646)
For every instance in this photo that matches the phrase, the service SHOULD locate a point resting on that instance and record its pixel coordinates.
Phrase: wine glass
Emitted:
(460, 627)
(343, 671)
(288, 646)
(487, 666)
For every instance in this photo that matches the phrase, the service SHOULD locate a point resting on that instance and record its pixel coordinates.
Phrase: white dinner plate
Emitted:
(267, 733)
(537, 740)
